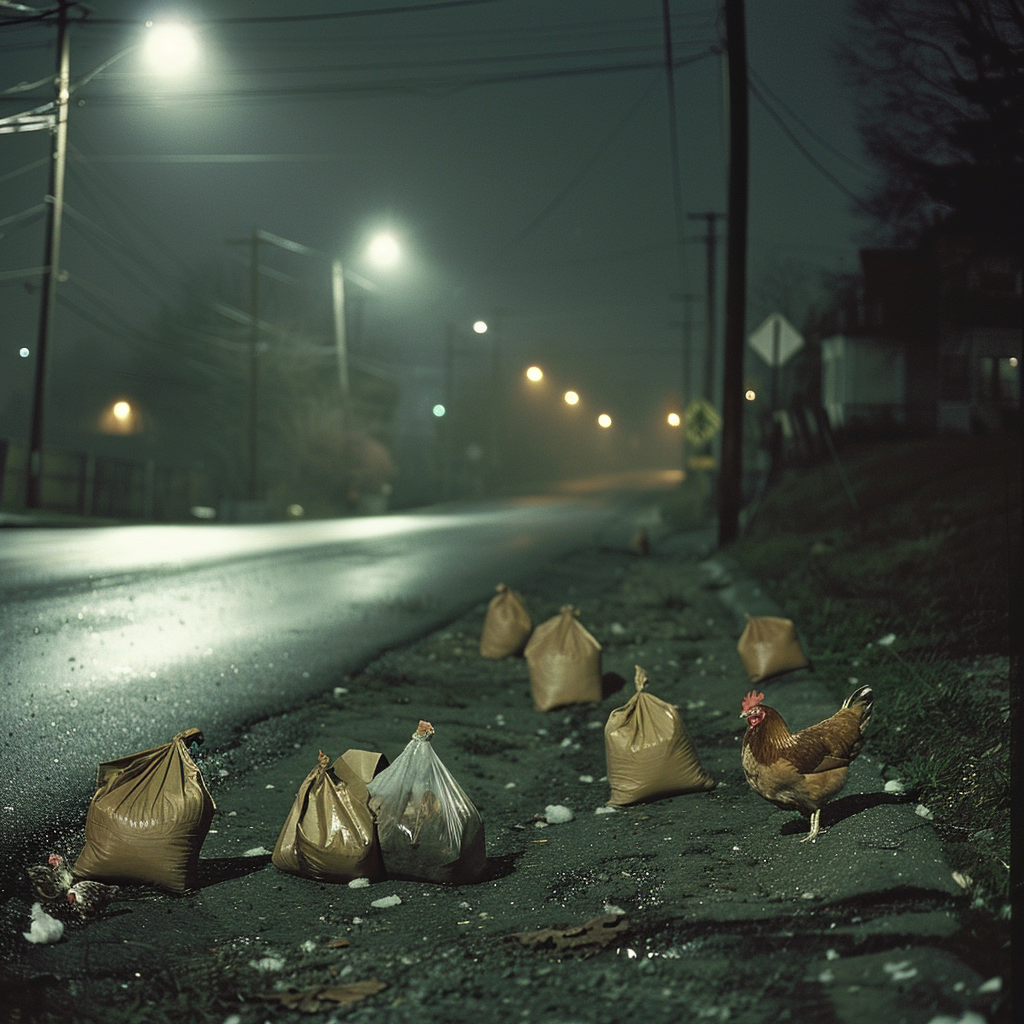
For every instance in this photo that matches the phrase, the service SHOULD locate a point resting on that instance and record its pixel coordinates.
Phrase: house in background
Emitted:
(934, 342)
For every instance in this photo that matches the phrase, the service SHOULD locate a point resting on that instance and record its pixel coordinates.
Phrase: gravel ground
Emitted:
(696, 907)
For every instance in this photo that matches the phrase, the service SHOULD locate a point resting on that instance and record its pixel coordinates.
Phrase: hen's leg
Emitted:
(815, 826)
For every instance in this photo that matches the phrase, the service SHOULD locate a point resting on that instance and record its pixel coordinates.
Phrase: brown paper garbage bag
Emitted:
(648, 752)
(769, 646)
(148, 818)
(507, 625)
(564, 662)
(365, 763)
(429, 829)
(329, 833)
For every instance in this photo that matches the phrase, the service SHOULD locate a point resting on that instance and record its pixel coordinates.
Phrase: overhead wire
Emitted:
(804, 151)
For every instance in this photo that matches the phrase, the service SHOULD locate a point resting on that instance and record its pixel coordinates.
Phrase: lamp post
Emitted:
(54, 223)
(383, 250)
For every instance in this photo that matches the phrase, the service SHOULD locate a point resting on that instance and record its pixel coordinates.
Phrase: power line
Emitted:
(808, 156)
(762, 85)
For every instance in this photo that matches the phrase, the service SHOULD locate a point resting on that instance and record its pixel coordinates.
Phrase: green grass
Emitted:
(930, 555)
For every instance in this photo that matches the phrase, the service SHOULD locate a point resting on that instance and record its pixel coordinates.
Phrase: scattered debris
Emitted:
(313, 1000)
(386, 901)
(992, 985)
(557, 814)
(258, 851)
(894, 786)
(923, 812)
(359, 883)
(90, 899)
(44, 929)
(582, 940)
(267, 964)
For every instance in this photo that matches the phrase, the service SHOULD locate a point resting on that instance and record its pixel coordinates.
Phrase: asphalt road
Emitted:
(113, 639)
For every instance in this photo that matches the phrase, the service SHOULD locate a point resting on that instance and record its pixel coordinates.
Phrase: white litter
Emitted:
(386, 901)
(510, 785)
(969, 1017)
(992, 985)
(894, 786)
(611, 908)
(359, 883)
(258, 851)
(923, 812)
(605, 809)
(557, 814)
(44, 928)
(887, 641)
(831, 954)
(586, 778)
(308, 946)
(268, 963)
(826, 976)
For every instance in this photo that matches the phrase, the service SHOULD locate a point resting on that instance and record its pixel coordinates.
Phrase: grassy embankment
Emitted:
(929, 556)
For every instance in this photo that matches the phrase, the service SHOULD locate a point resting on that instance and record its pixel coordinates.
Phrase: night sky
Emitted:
(519, 150)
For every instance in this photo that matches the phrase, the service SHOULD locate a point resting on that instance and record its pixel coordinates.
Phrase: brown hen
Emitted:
(802, 771)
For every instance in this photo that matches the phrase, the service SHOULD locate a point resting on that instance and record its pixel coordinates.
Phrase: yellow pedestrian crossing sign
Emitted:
(702, 421)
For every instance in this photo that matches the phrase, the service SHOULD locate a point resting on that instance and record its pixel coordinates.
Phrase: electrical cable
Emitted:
(811, 159)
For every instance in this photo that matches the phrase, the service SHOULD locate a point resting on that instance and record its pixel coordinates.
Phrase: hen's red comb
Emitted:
(752, 699)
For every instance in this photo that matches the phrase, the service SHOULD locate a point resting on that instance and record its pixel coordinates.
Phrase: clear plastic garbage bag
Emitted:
(428, 828)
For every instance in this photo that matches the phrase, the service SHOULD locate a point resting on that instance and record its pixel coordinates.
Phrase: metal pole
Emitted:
(730, 481)
(51, 258)
(254, 341)
(446, 421)
(709, 351)
(340, 340)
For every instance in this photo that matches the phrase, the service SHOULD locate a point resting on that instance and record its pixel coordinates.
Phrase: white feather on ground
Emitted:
(44, 928)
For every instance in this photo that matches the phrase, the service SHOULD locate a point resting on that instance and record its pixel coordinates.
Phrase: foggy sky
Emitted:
(514, 146)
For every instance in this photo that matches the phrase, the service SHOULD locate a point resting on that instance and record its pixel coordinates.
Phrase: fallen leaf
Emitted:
(583, 939)
(337, 943)
(313, 1000)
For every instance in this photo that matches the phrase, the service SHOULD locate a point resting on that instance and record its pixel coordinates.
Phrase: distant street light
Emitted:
(170, 47)
(534, 373)
(674, 419)
(571, 398)
(122, 411)
(384, 249)
(54, 223)
(480, 327)
(604, 420)
(438, 410)
(750, 394)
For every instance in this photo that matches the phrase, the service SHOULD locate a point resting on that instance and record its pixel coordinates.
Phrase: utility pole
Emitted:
(709, 352)
(730, 479)
(51, 257)
(252, 491)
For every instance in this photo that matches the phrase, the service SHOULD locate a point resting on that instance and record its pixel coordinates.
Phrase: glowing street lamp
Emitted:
(571, 398)
(674, 419)
(384, 249)
(480, 327)
(604, 420)
(534, 373)
(170, 47)
(122, 411)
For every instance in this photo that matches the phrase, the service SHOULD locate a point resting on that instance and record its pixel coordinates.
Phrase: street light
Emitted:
(534, 373)
(383, 249)
(604, 420)
(571, 398)
(51, 256)
(674, 419)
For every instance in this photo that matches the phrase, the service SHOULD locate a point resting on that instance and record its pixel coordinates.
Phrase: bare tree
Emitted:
(942, 113)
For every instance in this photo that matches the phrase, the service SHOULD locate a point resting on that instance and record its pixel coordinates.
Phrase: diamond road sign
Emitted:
(776, 340)
(702, 421)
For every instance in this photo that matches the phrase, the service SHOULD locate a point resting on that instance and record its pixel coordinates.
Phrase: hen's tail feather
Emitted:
(862, 695)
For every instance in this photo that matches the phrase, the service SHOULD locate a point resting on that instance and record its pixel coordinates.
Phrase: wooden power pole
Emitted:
(730, 477)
